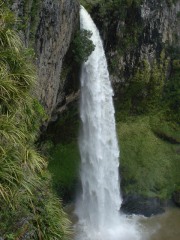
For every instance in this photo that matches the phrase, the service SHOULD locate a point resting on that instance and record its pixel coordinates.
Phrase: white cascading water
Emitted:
(98, 205)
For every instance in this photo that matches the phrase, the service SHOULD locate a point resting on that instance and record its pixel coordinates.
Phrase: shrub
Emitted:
(82, 46)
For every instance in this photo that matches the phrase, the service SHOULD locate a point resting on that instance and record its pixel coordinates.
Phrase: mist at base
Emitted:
(126, 228)
(159, 227)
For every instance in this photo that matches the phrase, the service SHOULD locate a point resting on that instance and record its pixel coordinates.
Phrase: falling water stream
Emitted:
(98, 205)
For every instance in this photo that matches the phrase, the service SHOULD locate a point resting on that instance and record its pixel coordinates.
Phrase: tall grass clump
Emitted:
(28, 206)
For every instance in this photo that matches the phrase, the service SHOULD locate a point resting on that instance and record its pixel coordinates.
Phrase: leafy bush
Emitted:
(82, 46)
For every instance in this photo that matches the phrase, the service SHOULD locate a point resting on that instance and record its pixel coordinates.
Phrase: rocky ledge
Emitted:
(135, 204)
(176, 198)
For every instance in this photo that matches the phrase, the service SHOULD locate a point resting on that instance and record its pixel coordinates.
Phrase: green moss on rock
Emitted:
(148, 164)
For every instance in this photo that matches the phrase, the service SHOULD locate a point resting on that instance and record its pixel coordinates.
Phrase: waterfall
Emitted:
(99, 203)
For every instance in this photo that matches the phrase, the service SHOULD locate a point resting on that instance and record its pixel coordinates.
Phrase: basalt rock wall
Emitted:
(137, 31)
(49, 26)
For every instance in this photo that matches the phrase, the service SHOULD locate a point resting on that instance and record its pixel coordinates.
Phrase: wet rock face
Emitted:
(176, 198)
(136, 204)
(57, 24)
(52, 24)
(160, 24)
(148, 28)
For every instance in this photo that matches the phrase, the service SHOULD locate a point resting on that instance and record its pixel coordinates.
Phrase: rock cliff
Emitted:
(137, 31)
(49, 27)
(135, 34)
(58, 22)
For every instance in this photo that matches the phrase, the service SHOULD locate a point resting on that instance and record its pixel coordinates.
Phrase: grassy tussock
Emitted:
(29, 208)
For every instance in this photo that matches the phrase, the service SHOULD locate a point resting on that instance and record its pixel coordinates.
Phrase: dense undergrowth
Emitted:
(61, 143)
(149, 162)
(28, 206)
(64, 166)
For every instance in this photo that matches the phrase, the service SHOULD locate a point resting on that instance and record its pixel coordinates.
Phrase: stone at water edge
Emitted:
(176, 197)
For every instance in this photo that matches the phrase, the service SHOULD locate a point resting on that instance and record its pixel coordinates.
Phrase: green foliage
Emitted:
(64, 153)
(173, 51)
(27, 204)
(64, 167)
(34, 15)
(148, 164)
(39, 216)
(89, 4)
(82, 46)
(111, 9)
(117, 7)
(144, 92)
(167, 130)
(28, 22)
(111, 4)
(172, 93)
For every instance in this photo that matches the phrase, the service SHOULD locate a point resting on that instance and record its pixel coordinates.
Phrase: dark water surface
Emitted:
(163, 227)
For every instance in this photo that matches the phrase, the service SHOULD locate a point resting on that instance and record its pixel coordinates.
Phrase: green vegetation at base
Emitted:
(149, 164)
(149, 131)
(62, 147)
(65, 129)
(166, 130)
(35, 216)
(64, 167)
